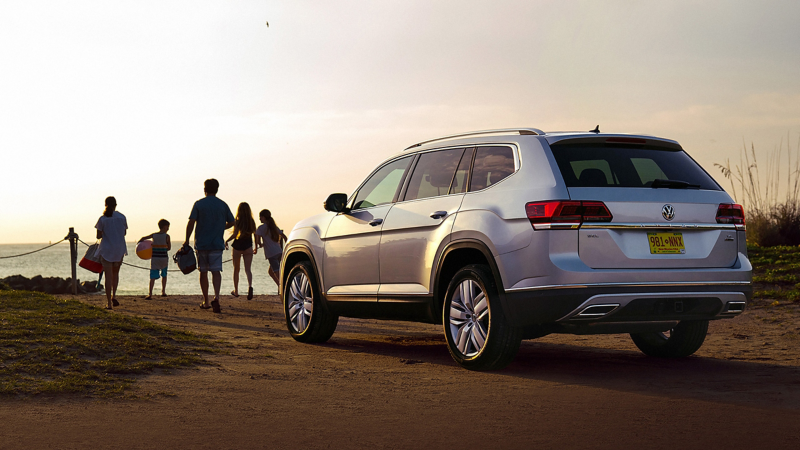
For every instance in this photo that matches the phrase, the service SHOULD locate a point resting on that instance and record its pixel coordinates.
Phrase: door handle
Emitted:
(438, 214)
(375, 222)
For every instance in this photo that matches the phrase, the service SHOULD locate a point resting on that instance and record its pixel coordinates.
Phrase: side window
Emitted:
(462, 174)
(433, 174)
(381, 187)
(492, 164)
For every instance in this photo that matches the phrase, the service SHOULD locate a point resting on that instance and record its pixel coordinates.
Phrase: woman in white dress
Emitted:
(111, 229)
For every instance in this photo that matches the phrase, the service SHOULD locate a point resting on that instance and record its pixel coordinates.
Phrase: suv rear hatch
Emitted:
(665, 207)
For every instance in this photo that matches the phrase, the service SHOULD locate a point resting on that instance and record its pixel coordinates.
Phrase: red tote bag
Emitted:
(90, 260)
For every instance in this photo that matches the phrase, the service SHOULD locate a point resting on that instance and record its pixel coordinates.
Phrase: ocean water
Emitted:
(55, 262)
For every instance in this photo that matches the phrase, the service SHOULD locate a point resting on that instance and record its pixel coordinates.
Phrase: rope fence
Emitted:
(73, 239)
(147, 268)
(29, 253)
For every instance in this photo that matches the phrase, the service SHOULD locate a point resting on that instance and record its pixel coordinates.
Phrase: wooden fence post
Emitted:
(73, 254)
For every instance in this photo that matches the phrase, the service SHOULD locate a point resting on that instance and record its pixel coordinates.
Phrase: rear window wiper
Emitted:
(673, 184)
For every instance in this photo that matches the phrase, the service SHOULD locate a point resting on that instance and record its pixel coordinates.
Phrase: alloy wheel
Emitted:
(302, 302)
(469, 318)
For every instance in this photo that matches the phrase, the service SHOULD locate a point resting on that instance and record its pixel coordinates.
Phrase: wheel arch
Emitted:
(291, 256)
(458, 254)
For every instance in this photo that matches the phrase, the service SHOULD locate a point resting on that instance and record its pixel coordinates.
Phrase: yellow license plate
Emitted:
(663, 243)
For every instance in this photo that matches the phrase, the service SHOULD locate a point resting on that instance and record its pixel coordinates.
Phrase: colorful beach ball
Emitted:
(144, 249)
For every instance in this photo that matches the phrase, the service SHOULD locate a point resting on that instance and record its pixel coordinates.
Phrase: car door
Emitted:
(415, 227)
(351, 243)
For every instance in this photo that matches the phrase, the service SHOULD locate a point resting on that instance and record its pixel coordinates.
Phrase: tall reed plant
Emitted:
(772, 211)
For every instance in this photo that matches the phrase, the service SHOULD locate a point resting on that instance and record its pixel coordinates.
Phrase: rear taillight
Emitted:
(730, 213)
(566, 214)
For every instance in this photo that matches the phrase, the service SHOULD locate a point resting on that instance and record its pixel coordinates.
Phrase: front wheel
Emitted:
(686, 338)
(307, 317)
(478, 334)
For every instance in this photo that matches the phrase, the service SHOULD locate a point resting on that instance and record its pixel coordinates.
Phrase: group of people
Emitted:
(209, 219)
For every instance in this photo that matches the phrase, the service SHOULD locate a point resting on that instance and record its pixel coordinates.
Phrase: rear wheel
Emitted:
(683, 340)
(478, 334)
(307, 317)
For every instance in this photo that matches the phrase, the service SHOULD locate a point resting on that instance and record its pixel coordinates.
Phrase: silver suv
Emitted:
(506, 235)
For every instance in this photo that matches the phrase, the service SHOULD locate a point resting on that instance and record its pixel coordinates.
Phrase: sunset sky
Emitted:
(145, 100)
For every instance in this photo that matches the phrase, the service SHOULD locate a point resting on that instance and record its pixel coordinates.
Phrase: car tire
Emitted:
(307, 316)
(478, 334)
(683, 340)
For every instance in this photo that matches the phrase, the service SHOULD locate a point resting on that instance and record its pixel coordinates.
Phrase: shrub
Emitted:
(773, 215)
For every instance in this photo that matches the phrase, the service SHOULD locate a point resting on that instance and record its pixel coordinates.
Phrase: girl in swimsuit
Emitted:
(242, 237)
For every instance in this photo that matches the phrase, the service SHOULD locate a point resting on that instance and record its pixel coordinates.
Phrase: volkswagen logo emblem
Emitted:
(668, 212)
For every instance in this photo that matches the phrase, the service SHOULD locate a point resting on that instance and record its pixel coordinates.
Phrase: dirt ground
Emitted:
(380, 384)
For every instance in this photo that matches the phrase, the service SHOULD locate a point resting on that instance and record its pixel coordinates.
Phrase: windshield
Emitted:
(604, 165)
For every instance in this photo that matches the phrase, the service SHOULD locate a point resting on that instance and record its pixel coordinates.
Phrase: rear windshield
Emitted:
(604, 165)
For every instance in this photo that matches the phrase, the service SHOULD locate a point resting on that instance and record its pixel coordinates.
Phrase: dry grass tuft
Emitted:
(773, 214)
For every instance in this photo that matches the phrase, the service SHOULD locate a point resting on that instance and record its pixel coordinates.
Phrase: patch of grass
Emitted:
(52, 345)
(776, 275)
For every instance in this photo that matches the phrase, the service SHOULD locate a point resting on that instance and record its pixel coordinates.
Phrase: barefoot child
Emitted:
(160, 259)
(271, 238)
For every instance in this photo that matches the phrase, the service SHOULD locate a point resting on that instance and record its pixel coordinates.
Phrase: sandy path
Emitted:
(393, 385)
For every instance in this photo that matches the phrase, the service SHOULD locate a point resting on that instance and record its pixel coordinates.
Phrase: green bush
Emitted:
(781, 226)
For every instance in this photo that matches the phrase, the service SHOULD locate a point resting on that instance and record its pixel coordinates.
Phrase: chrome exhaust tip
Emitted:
(734, 307)
(595, 311)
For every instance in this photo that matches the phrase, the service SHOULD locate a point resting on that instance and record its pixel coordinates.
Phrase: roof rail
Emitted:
(521, 131)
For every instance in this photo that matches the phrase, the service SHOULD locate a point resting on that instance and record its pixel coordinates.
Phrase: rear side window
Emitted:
(462, 174)
(433, 174)
(603, 165)
(492, 164)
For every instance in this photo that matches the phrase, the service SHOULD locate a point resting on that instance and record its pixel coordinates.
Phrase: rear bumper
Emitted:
(582, 306)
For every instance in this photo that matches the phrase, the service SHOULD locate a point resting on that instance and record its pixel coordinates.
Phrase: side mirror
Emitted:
(336, 203)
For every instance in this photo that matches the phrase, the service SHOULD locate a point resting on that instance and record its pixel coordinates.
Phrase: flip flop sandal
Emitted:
(233, 293)
(114, 302)
(203, 306)
(250, 294)
(215, 306)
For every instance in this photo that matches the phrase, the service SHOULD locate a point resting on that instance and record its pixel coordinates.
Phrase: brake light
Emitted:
(730, 213)
(566, 214)
(625, 140)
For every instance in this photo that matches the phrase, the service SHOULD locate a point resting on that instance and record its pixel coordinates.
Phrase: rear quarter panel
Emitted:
(496, 215)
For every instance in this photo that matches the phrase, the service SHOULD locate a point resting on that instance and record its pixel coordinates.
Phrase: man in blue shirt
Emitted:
(212, 217)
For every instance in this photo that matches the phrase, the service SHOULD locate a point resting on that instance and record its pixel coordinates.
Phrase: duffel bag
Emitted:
(185, 259)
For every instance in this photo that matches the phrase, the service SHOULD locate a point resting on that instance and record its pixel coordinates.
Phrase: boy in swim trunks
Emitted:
(160, 260)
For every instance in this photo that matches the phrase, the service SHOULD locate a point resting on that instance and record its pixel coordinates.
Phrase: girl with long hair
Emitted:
(271, 238)
(243, 229)
(111, 229)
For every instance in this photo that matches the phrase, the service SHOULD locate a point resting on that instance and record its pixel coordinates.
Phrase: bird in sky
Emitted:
(268, 24)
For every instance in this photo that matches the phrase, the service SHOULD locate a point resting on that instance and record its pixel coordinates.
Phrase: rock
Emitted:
(65, 286)
(89, 286)
(50, 285)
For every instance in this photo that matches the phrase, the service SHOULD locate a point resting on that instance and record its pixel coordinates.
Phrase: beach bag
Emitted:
(185, 259)
(90, 260)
